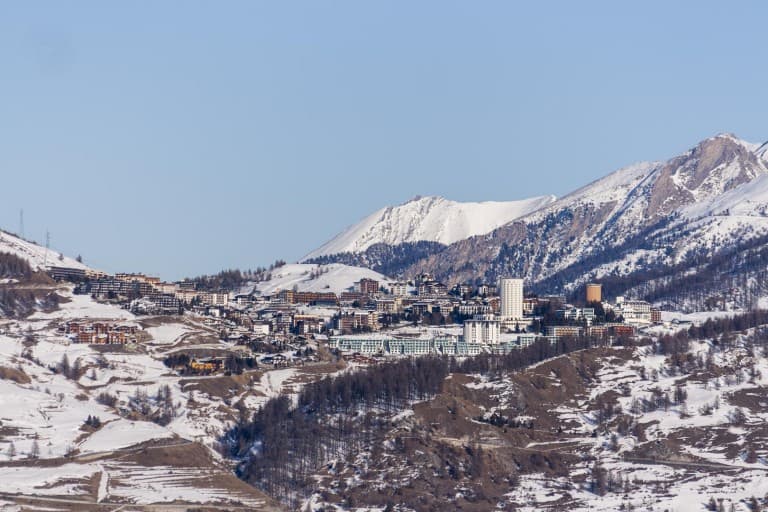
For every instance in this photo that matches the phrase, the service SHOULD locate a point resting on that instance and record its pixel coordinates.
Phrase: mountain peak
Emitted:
(423, 199)
(725, 140)
(414, 199)
(726, 135)
(430, 218)
(714, 166)
(702, 187)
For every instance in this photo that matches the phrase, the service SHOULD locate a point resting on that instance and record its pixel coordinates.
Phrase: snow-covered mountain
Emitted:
(38, 257)
(709, 199)
(432, 219)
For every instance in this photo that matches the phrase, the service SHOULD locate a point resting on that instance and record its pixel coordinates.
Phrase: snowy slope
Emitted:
(719, 190)
(709, 198)
(712, 174)
(762, 152)
(333, 278)
(750, 199)
(614, 187)
(45, 411)
(37, 256)
(434, 219)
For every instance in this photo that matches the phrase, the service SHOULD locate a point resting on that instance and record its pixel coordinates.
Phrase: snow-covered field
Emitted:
(123, 482)
(81, 306)
(335, 278)
(123, 434)
(167, 334)
(659, 487)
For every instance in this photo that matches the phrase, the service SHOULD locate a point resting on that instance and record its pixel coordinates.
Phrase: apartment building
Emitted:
(483, 329)
(367, 286)
(511, 298)
(399, 289)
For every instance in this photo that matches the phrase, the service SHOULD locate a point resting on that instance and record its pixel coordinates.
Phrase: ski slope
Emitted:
(38, 257)
(334, 278)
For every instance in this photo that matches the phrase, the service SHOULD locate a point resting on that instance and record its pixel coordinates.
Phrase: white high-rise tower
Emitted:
(511, 298)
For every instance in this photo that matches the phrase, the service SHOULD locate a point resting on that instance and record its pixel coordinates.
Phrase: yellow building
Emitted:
(594, 292)
(205, 365)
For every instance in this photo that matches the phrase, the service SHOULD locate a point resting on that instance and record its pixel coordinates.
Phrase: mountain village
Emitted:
(374, 318)
(524, 362)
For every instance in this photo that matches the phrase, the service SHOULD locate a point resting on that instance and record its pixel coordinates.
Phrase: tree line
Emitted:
(702, 281)
(20, 303)
(232, 279)
(717, 326)
(390, 260)
(280, 446)
(12, 266)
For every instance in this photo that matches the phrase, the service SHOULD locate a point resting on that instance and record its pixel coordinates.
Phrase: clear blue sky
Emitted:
(185, 137)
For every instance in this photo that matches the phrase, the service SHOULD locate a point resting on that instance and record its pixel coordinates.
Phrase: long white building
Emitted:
(511, 298)
(634, 311)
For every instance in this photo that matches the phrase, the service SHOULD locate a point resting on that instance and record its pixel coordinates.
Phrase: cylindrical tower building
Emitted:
(594, 292)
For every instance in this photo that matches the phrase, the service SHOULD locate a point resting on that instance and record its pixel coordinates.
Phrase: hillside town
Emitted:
(383, 257)
(371, 318)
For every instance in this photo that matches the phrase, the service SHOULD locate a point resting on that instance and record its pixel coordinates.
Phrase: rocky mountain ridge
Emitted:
(607, 213)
